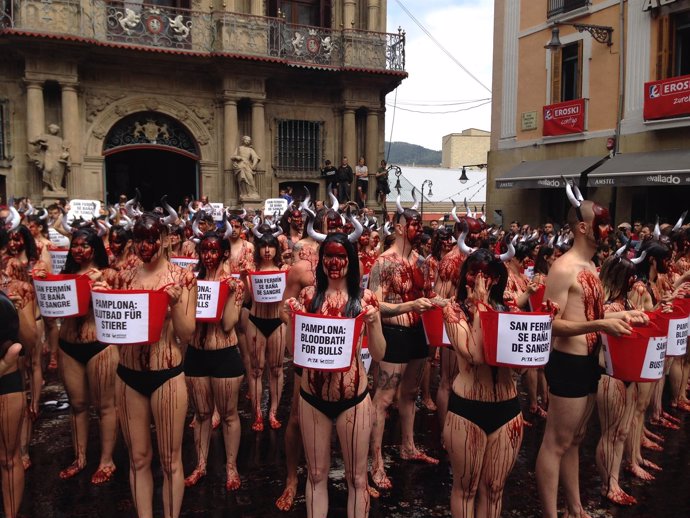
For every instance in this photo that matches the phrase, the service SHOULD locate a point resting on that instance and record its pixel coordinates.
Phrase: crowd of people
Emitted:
(338, 261)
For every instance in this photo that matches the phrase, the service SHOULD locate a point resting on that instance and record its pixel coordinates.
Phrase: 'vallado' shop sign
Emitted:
(267, 286)
(325, 342)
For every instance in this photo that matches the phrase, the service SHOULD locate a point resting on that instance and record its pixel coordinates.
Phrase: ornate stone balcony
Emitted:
(152, 27)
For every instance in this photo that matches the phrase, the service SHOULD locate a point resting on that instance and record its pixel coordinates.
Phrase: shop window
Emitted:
(299, 145)
(302, 12)
(566, 73)
(673, 46)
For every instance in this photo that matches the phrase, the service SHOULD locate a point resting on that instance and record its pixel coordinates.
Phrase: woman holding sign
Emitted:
(213, 364)
(483, 428)
(341, 395)
(265, 331)
(151, 382)
(87, 366)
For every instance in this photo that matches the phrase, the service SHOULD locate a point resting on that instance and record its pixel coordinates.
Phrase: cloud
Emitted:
(465, 29)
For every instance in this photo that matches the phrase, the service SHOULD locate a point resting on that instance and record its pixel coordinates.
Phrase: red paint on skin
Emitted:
(211, 253)
(593, 302)
(81, 252)
(147, 241)
(335, 260)
(15, 246)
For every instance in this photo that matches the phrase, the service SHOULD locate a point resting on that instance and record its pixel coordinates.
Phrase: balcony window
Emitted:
(302, 12)
(673, 45)
(556, 7)
(566, 73)
(299, 145)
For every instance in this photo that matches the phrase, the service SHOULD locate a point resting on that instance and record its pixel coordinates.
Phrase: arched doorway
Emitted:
(154, 153)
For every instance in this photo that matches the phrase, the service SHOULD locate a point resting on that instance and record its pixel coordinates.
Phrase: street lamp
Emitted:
(429, 193)
(601, 33)
(463, 177)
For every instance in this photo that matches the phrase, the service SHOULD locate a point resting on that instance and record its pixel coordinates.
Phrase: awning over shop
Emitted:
(659, 168)
(546, 174)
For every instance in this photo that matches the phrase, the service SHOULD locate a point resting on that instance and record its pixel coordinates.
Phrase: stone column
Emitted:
(257, 8)
(71, 136)
(259, 138)
(373, 7)
(230, 142)
(372, 152)
(383, 9)
(349, 141)
(348, 13)
(35, 126)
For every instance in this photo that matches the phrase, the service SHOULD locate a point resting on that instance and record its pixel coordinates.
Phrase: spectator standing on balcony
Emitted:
(344, 179)
(362, 174)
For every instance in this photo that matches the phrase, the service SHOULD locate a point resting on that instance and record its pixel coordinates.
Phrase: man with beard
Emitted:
(397, 280)
(293, 233)
(241, 251)
(577, 297)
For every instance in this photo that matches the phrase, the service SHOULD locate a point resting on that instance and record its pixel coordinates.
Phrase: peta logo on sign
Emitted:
(654, 92)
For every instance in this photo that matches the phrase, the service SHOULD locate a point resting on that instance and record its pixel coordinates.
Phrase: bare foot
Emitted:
(418, 456)
(664, 423)
(193, 479)
(103, 474)
(233, 481)
(215, 420)
(429, 405)
(682, 405)
(580, 514)
(192, 423)
(650, 445)
(538, 412)
(672, 418)
(649, 464)
(284, 502)
(638, 472)
(72, 469)
(53, 363)
(620, 497)
(373, 492)
(258, 425)
(381, 480)
(653, 436)
(26, 462)
(273, 421)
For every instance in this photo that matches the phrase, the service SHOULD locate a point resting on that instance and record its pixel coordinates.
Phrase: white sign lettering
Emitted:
(57, 298)
(523, 340)
(58, 258)
(267, 286)
(208, 299)
(57, 239)
(184, 262)
(325, 343)
(217, 211)
(677, 337)
(653, 366)
(273, 205)
(121, 318)
(85, 209)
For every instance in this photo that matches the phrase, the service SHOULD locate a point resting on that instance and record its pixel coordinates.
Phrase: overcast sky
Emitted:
(464, 28)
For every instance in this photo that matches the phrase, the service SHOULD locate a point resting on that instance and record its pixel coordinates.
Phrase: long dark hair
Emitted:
(42, 225)
(353, 307)
(655, 249)
(496, 269)
(29, 243)
(615, 276)
(267, 239)
(541, 265)
(440, 235)
(120, 232)
(224, 247)
(100, 256)
(9, 330)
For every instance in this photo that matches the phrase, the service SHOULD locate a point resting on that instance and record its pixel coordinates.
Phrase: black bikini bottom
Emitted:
(11, 383)
(146, 382)
(572, 375)
(82, 352)
(332, 409)
(487, 415)
(214, 363)
(266, 325)
(404, 344)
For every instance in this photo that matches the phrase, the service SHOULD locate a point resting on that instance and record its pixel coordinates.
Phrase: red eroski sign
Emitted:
(667, 98)
(564, 118)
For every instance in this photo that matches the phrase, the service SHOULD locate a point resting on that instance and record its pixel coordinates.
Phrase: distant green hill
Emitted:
(408, 154)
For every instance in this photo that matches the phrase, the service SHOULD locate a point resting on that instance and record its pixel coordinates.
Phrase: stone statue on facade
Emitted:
(51, 158)
(244, 162)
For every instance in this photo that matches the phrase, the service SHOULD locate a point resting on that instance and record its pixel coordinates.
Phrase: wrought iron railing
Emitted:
(131, 22)
(556, 7)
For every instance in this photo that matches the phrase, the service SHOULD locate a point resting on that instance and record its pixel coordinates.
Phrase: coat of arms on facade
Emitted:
(151, 131)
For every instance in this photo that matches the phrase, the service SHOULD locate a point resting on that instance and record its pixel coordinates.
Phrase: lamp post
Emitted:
(421, 208)
(600, 33)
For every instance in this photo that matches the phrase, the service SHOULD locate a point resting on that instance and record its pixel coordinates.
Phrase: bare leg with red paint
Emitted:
(293, 450)
(12, 412)
(225, 393)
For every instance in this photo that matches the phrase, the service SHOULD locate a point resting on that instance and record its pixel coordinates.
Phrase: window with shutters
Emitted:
(673, 45)
(566, 73)
(299, 145)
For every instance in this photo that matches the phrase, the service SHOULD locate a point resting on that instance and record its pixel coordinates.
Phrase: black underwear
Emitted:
(266, 325)
(572, 375)
(487, 415)
(82, 352)
(11, 383)
(404, 343)
(146, 382)
(332, 409)
(214, 363)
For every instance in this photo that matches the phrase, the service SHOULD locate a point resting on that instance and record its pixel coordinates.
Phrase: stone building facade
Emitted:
(157, 96)
(469, 147)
